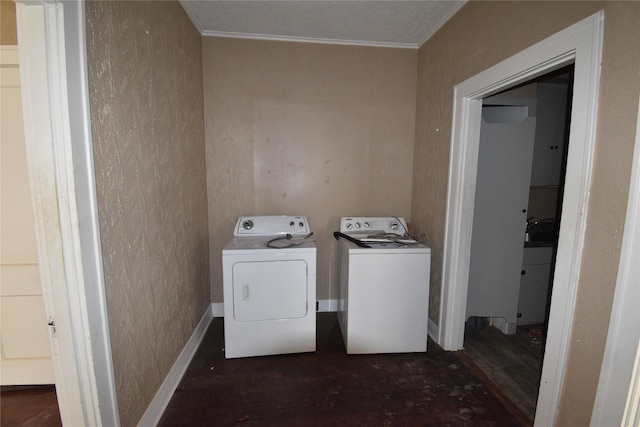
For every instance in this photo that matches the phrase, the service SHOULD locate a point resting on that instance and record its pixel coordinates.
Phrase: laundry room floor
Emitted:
(329, 387)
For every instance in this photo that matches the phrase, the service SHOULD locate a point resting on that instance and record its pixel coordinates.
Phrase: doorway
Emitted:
(25, 359)
(26, 355)
(580, 44)
(520, 180)
(57, 134)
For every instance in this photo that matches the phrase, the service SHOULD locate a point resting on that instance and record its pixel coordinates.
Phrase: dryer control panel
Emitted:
(271, 225)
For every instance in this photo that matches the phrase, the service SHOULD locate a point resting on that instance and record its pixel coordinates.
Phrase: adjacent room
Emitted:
(182, 116)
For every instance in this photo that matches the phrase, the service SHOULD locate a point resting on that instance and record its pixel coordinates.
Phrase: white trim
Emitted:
(327, 305)
(171, 382)
(581, 43)
(58, 140)
(617, 381)
(207, 33)
(217, 309)
(433, 330)
(631, 416)
(87, 206)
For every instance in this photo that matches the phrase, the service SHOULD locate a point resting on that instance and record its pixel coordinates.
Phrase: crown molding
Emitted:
(308, 40)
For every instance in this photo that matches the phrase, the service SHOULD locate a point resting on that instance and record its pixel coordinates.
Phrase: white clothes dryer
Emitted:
(383, 288)
(269, 284)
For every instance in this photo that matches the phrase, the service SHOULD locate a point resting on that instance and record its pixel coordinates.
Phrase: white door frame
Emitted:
(55, 97)
(580, 44)
(619, 382)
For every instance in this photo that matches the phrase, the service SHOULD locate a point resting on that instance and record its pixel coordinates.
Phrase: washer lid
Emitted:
(385, 248)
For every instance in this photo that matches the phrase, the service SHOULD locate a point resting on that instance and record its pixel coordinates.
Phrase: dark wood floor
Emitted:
(331, 388)
(328, 387)
(512, 362)
(34, 406)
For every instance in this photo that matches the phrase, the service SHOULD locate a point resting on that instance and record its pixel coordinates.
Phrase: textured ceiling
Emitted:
(394, 23)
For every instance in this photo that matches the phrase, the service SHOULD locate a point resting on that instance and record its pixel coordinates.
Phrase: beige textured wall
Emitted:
(145, 78)
(306, 129)
(8, 27)
(479, 36)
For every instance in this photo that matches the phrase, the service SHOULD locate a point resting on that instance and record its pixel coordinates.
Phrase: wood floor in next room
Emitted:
(512, 363)
(33, 406)
(331, 388)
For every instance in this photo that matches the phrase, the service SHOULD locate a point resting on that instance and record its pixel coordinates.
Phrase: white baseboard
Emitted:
(504, 327)
(160, 401)
(433, 331)
(327, 305)
(218, 309)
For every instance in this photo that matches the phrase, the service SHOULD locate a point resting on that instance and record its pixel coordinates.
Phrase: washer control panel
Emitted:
(373, 225)
(271, 225)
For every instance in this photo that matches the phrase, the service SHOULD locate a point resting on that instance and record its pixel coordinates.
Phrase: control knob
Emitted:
(247, 225)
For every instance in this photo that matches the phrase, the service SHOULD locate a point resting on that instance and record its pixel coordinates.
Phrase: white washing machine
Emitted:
(269, 284)
(383, 289)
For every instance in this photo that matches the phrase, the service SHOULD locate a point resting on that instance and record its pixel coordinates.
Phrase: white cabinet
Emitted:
(534, 285)
(551, 127)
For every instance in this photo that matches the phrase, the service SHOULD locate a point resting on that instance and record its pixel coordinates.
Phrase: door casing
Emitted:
(55, 95)
(580, 44)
